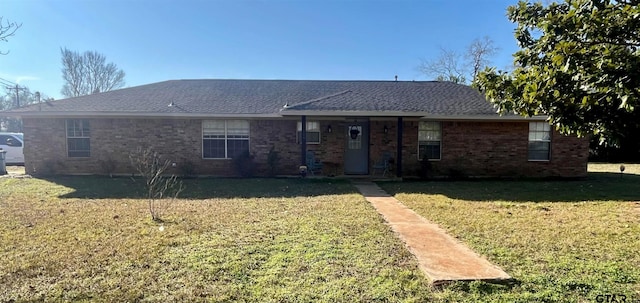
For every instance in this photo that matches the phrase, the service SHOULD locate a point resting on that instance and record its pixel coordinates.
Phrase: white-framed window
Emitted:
(429, 140)
(223, 139)
(539, 141)
(313, 132)
(78, 138)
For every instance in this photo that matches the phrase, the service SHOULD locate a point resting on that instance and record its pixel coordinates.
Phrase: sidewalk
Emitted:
(15, 172)
(440, 256)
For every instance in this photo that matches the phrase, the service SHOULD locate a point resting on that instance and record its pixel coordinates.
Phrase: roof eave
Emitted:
(284, 113)
(61, 114)
(421, 115)
(337, 113)
(484, 117)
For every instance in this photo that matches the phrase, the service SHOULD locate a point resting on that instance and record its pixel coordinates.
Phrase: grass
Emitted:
(294, 240)
(564, 241)
(614, 168)
(87, 239)
(13, 169)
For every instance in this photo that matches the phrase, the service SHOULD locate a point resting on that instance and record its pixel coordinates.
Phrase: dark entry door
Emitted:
(356, 151)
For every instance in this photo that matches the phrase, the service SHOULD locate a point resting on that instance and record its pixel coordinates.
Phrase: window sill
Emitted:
(530, 160)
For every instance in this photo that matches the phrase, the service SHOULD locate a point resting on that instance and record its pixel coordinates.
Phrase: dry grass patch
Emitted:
(614, 168)
(13, 170)
(274, 240)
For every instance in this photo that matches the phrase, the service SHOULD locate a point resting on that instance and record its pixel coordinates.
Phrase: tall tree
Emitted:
(7, 29)
(478, 55)
(579, 64)
(460, 67)
(88, 73)
(446, 67)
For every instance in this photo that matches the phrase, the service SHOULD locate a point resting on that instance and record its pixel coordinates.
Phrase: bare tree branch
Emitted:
(456, 67)
(7, 29)
(445, 67)
(478, 53)
(88, 73)
(151, 168)
(73, 71)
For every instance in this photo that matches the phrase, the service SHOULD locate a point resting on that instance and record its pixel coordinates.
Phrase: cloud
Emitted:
(17, 79)
(26, 78)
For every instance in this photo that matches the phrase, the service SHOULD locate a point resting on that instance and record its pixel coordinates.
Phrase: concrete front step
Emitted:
(440, 256)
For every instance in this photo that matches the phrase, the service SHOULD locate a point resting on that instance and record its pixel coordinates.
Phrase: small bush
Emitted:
(186, 168)
(243, 164)
(108, 166)
(272, 160)
(458, 174)
(151, 167)
(425, 168)
(462, 169)
(48, 168)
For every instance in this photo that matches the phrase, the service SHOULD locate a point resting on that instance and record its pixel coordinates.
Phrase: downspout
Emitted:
(303, 142)
(399, 148)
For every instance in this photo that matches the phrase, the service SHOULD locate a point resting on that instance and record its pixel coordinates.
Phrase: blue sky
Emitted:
(157, 40)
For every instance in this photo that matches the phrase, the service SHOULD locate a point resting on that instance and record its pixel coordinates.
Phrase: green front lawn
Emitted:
(87, 239)
(286, 240)
(564, 241)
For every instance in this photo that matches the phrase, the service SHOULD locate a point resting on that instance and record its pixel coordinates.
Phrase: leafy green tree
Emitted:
(579, 64)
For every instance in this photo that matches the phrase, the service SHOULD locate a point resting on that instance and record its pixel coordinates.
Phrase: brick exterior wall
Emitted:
(496, 149)
(470, 148)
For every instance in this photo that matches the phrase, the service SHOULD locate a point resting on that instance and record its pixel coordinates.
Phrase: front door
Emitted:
(356, 152)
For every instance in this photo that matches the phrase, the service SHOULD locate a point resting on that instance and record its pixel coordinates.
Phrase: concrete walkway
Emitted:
(440, 256)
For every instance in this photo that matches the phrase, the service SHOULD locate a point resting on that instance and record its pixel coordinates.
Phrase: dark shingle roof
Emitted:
(269, 97)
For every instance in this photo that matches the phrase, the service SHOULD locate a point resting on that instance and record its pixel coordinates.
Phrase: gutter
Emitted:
(282, 114)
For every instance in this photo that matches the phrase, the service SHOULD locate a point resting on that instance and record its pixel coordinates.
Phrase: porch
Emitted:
(353, 146)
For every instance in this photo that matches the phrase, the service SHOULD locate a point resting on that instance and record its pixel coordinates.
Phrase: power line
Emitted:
(7, 82)
(18, 89)
(12, 86)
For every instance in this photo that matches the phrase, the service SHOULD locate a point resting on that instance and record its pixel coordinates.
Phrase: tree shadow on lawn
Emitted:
(100, 187)
(595, 187)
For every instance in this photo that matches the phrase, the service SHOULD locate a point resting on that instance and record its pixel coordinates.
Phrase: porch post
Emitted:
(303, 141)
(399, 148)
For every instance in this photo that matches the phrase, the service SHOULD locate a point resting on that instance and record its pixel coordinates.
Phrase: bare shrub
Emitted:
(160, 190)
(108, 166)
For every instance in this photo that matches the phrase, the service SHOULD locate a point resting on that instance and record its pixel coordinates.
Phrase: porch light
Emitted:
(385, 129)
(354, 132)
(329, 129)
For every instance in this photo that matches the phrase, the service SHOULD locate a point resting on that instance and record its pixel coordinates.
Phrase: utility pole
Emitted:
(18, 89)
(38, 100)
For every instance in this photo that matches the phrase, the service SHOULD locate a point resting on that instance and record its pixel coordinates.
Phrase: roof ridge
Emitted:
(286, 106)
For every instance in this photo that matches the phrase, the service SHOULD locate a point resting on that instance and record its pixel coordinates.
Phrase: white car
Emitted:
(13, 144)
